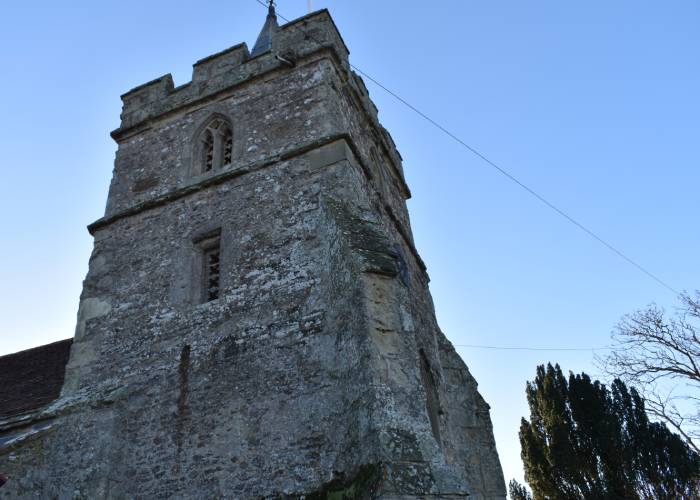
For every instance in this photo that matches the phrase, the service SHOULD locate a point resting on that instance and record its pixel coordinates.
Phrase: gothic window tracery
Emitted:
(216, 145)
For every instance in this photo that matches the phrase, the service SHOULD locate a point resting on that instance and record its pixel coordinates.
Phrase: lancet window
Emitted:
(216, 145)
(209, 275)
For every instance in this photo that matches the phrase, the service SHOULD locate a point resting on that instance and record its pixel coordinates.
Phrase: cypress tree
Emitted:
(587, 441)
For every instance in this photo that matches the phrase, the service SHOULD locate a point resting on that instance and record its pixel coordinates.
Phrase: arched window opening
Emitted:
(216, 145)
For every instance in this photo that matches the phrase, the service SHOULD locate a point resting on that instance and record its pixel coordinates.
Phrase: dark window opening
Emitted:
(216, 143)
(208, 275)
(228, 148)
(212, 276)
(208, 151)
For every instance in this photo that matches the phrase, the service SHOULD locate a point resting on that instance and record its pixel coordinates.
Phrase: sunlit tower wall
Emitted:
(256, 320)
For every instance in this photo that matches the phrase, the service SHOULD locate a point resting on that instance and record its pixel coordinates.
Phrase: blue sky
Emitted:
(593, 104)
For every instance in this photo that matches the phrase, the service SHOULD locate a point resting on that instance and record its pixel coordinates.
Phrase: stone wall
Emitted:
(319, 369)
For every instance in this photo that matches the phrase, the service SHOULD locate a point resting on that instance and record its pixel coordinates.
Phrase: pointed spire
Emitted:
(264, 42)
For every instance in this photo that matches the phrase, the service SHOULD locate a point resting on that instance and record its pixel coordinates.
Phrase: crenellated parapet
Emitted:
(221, 74)
(232, 67)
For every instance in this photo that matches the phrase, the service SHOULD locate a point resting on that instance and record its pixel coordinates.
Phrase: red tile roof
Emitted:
(33, 378)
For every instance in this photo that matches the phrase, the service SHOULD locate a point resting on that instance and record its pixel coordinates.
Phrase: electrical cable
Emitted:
(500, 169)
(499, 348)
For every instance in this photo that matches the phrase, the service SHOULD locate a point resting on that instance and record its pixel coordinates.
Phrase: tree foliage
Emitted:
(661, 355)
(587, 441)
(517, 491)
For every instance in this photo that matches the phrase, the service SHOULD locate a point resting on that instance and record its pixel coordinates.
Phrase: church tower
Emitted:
(256, 320)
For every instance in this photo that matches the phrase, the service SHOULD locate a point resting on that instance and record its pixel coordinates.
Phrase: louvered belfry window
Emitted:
(228, 148)
(216, 145)
(208, 151)
(208, 279)
(212, 272)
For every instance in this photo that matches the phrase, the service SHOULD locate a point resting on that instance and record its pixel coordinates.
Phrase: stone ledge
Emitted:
(214, 180)
(332, 156)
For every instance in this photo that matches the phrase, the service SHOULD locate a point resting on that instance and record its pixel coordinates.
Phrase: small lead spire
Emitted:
(264, 42)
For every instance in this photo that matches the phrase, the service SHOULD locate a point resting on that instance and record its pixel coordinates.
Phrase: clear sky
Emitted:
(594, 104)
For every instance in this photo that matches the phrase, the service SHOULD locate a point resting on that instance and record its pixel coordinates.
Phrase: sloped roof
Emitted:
(33, 378)
(264, 42)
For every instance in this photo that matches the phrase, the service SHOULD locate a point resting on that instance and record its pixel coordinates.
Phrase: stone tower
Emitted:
(256, 320)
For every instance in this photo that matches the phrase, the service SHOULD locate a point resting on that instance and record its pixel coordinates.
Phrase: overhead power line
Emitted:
(495, 166)
(500, 348)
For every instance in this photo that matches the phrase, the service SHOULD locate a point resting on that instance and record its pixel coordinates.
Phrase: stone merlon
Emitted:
(229, 68)
(224, 72)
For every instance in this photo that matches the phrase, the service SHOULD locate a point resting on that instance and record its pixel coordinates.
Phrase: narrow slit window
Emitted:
(208, 151)
(212, 272)
(228, 147)
(206, 282)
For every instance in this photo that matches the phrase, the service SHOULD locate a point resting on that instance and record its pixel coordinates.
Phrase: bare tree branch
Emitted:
(660, 354)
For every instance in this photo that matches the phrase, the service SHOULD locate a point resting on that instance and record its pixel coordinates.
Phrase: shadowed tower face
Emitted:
(256, 321)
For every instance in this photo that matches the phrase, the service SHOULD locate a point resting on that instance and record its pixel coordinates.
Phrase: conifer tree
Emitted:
(517, 491)
(587, 441)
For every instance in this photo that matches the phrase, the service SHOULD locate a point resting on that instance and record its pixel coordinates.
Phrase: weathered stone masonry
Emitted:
(318, 367)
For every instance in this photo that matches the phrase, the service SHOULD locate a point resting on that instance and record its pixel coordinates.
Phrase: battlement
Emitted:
(231, 67)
